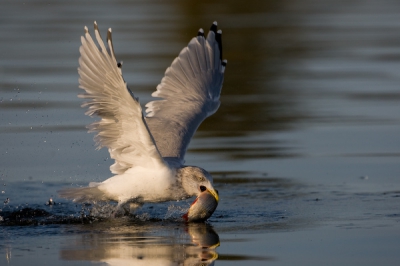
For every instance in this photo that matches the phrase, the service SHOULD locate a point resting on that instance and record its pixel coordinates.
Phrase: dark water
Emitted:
(305, 148)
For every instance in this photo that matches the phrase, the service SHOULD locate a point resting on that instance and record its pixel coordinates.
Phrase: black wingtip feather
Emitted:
(214, 27)
(218, 38)
(200, 32)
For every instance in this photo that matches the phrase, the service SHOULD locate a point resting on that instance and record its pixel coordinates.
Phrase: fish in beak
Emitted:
(202, 207)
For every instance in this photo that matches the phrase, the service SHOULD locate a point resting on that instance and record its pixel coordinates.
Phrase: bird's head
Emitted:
(196, 180)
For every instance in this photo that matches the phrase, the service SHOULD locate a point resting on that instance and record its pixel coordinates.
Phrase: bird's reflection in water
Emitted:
(171, 244)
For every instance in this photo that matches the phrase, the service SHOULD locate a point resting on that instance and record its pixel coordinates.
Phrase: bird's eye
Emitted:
(202, 188)
(217, 192)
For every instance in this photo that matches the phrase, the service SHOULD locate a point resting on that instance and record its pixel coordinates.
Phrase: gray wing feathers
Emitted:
(122, 127)
(189, 93)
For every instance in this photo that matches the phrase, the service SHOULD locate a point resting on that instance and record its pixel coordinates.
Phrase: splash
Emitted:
(175, 212)
(103, 210)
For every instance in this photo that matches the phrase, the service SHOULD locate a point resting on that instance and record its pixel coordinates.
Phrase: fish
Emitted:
(202, 207)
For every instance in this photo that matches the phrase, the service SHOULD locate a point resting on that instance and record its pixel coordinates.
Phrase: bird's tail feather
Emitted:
(83, 194)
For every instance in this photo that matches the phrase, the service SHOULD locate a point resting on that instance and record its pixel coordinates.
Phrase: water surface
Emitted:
(304, 148)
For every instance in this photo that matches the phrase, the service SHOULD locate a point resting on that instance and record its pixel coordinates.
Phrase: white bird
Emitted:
(149, 149)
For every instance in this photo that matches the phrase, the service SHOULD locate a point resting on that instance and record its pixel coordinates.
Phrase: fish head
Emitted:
(202, 207)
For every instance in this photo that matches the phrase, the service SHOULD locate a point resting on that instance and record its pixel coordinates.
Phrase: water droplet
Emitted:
(50, 202)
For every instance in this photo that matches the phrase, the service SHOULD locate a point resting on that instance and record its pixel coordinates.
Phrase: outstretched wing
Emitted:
(189, 93)
(122, 127)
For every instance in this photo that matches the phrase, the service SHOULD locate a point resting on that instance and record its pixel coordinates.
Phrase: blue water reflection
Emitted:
(304, 147)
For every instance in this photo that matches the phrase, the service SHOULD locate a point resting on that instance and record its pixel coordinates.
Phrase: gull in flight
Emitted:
(149, 148)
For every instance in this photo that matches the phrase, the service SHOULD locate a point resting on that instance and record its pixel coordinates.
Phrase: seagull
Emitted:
(149, 148)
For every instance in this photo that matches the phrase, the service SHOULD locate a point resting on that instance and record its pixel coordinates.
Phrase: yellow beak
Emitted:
(214, 193)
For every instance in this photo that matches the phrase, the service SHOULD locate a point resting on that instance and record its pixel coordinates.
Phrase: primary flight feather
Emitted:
(149, 149)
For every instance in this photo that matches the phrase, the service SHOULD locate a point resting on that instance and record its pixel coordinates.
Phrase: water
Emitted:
(304, 148)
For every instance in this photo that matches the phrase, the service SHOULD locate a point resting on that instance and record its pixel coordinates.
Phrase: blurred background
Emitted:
(307, 83)
(310, 106)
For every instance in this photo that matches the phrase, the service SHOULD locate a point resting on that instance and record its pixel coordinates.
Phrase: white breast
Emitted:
(154, 185)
